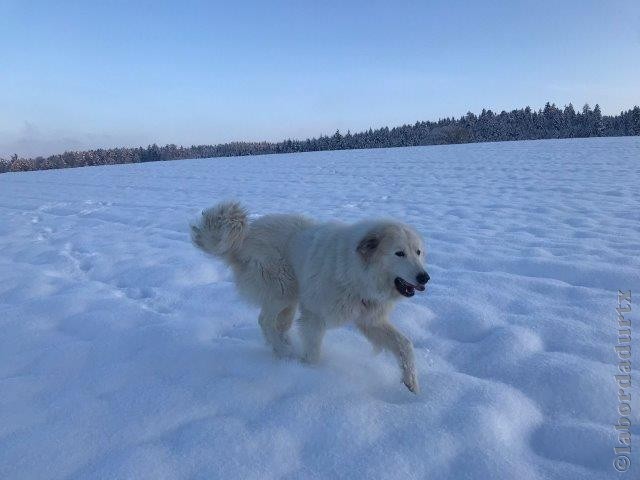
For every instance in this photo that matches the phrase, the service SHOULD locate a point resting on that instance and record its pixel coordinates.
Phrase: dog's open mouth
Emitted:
(407, 289)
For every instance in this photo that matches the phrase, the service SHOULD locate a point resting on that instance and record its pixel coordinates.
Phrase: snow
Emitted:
(126, 353)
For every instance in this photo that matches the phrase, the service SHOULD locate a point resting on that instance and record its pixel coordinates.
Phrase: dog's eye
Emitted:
(400, 253)
(418, 252)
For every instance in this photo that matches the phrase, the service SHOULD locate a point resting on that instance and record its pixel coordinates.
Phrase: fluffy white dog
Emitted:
(334, 272)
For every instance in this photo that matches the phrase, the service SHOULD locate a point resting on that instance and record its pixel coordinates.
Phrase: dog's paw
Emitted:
(410, 379)
(310, 358)
(283, 351)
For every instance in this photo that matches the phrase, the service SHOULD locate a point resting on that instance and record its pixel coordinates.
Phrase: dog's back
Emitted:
(256, 250)
(262, 266)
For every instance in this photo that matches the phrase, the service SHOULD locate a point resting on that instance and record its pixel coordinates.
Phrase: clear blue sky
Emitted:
(102, 73)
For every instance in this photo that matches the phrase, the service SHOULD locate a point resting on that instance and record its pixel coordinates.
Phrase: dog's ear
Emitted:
(368, 245)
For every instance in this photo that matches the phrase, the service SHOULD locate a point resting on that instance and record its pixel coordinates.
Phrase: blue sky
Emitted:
(77, 75)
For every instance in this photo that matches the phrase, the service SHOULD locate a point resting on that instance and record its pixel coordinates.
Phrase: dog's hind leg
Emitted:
(312, 330)
(285, 319)
(275, 321)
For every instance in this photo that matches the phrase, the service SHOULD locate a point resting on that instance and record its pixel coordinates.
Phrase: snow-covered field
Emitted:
(126, 353)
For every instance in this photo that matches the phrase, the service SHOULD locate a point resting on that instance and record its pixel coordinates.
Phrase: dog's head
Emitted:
(395, 252)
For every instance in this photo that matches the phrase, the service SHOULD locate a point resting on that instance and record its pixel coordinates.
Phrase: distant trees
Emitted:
(521, 124)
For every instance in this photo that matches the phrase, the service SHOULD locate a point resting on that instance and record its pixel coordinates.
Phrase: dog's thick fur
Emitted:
(334, 273)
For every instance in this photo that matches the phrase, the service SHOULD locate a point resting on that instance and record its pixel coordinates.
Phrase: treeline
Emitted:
(522, 124)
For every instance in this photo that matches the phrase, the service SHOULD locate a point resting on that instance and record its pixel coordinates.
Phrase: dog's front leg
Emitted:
(384, 335)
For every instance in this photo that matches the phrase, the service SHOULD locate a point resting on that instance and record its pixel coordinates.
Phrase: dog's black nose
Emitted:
(423, 278)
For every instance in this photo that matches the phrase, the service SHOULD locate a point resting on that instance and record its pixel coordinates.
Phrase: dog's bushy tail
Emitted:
(221, 230)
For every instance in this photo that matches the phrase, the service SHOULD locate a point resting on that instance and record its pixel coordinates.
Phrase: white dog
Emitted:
(334, 272)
